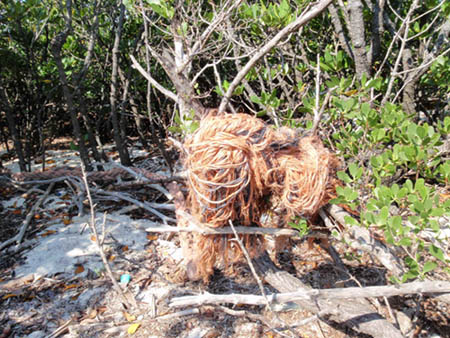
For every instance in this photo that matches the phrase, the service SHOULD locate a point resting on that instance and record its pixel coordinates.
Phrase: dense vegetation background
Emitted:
(375, 73)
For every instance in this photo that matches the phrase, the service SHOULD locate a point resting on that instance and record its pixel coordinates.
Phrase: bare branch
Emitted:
(406, 23)
(150, 79)
(222, 16)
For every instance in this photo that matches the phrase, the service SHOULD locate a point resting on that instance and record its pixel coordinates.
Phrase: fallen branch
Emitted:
(144, 176)
(62, 173)
(178, 314)
(61, 330)
(315, 294)
(19, 237)
(150, 207)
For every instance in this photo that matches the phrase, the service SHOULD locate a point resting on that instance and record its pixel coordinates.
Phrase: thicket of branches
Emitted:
(372, 75)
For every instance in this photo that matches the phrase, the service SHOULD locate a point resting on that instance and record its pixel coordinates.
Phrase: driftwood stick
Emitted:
(139, 176)
(182, 313)
(316, 294)
(61, 330)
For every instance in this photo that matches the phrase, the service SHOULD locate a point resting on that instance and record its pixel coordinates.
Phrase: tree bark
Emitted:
(126, 96)
(414, 76)
(377, 30)
(357, 34)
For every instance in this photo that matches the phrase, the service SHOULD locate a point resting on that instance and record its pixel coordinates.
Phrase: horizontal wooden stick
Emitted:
(224, 231)
(195, 226)
(314, 294)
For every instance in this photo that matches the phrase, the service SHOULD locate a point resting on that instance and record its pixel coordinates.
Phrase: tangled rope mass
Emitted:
(239, 168)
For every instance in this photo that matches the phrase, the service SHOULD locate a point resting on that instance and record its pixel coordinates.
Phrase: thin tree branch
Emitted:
(150, 79)
(316, 294)
(92, 225)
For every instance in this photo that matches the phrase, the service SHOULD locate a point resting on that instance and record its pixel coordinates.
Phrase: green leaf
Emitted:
(255, 99)
(411, 274)
(350, 220)
(396, 222)
(355, 171)
(436, 252)
(429, 266)
(376, 161)
(405, 242)
(383, 215)
(420, 187)
(344, 177)
(365, 108)
(409, 185)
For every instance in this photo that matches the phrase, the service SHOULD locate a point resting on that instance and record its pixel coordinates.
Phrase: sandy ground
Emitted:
(55, 284)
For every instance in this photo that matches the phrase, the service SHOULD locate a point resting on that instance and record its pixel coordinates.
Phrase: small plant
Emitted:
(301, 225)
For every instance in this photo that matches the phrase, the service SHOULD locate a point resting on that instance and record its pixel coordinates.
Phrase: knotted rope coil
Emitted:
(240, 168)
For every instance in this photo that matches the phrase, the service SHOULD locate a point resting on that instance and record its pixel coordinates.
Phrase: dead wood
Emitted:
(360, 238)
(61, 173)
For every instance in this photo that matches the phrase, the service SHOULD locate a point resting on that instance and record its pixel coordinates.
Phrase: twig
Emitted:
(250, 264)
(93, 227)
(19, 237)
(403, 39)
(178, 314)
(60, 330)
(317, 98)
(150, 79)
(315, 294)
(319, 115)
(254, 317)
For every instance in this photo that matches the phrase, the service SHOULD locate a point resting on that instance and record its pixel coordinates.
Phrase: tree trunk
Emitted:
(13, 129)
(121, 148)
(127, 96)
(408, 103)
(356, 29)
(339, 30)
(57, 43)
